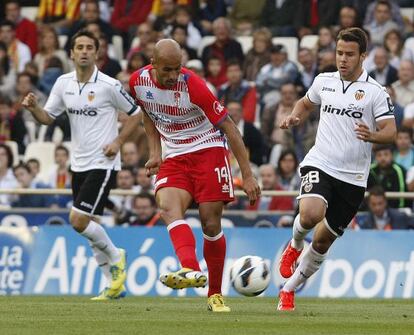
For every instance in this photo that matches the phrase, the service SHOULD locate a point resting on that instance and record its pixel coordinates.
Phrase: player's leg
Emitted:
(214, 252)
(90, 190)
(173, 202)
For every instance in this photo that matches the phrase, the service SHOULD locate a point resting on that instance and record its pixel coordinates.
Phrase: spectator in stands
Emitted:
(245, 16)
(197, 66)
(7, 178)
(388, 174)
(382, 22)
(25, 179)
(312, 14)
(278, 16)
(61, 122)
(7, 73)
(326, 62)
(60, 177)
(184, 18)
(165, 20)
(326, 40)
(107, 65)
(143, 181)
(238, 89)
(252, 137)
(179, 33)
(384, 73)
(137, 60)
(394, 44)
(214, 74)
(224, 47)
(286, 170)
(49, 47)
(404, 154)
(19, 53)
(258, 55)
(309, 70)
(34, 166)
(26, 30)
(399, 112)
(273, 75)
(53, 70)
(348, 17)
(395, 13)
(12, 127)
(380, 216)
(269, 182)
(90, 14)
(128, 15)
(130, 155)
(145, 211)
(404, 87)
(209, 11)
(60, 14)
(144, 35)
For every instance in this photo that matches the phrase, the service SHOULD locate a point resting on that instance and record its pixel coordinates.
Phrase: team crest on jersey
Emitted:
(91, 95)
(308, 187)
(177, 98)
(218, 107)
(359, 95)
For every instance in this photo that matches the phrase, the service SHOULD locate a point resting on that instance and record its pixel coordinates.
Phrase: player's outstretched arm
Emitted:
(385, 134)
(300, 113)
(30, 103)
(250, 185)
(155, 150)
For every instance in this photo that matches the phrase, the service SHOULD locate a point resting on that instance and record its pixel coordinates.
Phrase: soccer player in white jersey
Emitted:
(92, 101)
(181, 110)
(355, 111)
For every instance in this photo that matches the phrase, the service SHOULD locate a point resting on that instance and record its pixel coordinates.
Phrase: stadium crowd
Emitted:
(257, 57)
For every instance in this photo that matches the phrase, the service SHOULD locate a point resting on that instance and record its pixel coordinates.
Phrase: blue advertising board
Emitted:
(55, 260)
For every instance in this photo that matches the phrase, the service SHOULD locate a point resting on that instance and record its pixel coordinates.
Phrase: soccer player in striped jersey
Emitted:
(355, 111)
(194, 127)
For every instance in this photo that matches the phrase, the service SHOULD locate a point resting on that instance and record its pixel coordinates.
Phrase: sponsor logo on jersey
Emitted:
(351, 111)
(359, 94)
(160, 182)
(218, 107)
(85, 204)
(69, 93)
(149, 95)
(86, 111)
(328, 89)
(91, 96)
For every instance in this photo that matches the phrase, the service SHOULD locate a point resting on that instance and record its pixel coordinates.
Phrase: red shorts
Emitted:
(205, 174)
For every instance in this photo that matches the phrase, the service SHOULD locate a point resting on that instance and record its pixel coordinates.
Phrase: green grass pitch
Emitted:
(171, 316)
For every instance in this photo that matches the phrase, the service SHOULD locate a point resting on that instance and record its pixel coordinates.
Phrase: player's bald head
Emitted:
(167, 49)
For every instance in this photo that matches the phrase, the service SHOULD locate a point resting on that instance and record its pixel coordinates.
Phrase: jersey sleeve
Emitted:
(122, 100)
(382, 106)
(55, 104)
(201, 96)
(314, 92)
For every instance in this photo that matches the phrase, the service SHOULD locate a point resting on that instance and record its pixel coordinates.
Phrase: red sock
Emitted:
(214, 254)
(183, 241)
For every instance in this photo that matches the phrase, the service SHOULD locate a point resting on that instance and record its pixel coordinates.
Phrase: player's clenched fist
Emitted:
(29, 101)
(289, 121)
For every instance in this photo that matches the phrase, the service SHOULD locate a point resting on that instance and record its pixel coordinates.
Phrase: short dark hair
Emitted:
(382, 147)
(12, 1)
(377, 190)
(22, 166)
(233, 61)
(146, 195)
(7, 23)
(9, 153)
(405, 130)
(383, 2)
(84, 32)
(63, 148)
(354, 34)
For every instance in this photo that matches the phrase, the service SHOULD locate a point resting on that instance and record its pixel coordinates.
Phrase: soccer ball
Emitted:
(250, 276)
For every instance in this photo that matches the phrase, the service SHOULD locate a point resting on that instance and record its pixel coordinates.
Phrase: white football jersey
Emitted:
(337, 150)
(92, 108)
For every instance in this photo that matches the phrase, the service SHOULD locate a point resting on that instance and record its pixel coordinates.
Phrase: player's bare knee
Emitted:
(168, 215)
(211, 227)
(310, 218)
(78, 222)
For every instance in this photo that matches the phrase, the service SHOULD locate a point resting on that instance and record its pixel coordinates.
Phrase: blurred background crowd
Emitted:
(258, 57)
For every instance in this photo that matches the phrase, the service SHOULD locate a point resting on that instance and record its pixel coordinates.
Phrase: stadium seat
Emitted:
(246, 43)
(31, 130)
(118, 47)
(45, 153)
(409, 43)
(407, 13)
(15, 151)
(29, 12)
(291, 44)
(309, 41)
(135, 42)
(62, 41)
(206, 40)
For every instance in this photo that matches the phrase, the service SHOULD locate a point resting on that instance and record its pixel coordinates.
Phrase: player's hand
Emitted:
(111, 150)
(362, 131)
(252, 189)
(152, 166)
(289, 121)
(30, 101)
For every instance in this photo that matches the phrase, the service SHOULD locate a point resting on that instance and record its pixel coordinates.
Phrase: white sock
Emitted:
(310, 263)
(299, 234)
(97, 235)
(103, 262)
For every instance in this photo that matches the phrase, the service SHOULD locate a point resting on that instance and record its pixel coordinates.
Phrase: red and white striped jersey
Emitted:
(186, 115)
